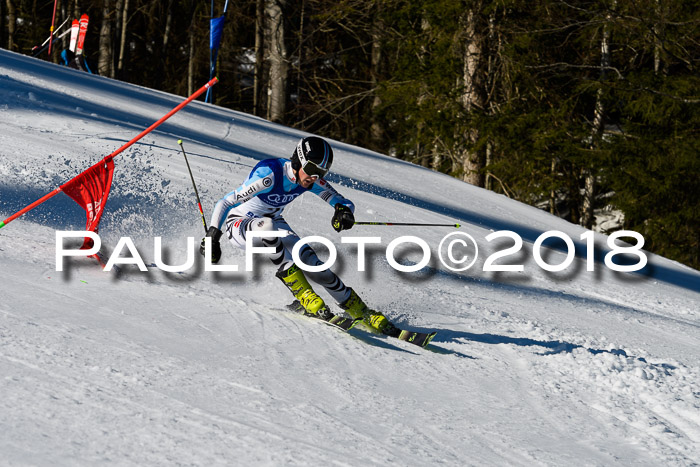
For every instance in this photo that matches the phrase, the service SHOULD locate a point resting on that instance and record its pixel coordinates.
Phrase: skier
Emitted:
(258, 204)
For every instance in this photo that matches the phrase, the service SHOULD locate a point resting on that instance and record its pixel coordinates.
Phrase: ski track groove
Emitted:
(129, 404)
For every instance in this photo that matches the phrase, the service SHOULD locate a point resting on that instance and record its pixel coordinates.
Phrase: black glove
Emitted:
(343, 219)
(215, 235)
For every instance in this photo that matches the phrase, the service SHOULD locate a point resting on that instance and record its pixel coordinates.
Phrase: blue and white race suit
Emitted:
(258, 205)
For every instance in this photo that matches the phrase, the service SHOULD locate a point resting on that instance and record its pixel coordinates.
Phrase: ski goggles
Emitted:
(313, 170)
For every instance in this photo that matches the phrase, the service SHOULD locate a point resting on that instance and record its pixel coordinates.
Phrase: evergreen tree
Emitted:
(570, 105)
(653, 162)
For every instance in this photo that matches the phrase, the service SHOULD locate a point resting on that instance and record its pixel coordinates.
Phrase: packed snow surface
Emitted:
(574, 367)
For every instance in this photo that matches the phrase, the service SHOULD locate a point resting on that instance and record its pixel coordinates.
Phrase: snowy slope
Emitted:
(528, 368)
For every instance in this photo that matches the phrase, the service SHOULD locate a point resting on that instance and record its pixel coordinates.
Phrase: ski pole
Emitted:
(55, 31)
(409, 223)
(38, 51)
(199, 203)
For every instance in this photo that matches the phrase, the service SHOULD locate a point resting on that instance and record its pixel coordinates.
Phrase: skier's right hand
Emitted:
(343, 219)
(215, 235)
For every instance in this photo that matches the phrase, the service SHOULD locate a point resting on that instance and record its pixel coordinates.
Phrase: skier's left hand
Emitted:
(343, 219)
(215, 235)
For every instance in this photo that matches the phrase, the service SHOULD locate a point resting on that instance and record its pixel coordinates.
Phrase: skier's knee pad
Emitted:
(281, 257)
(263, 224)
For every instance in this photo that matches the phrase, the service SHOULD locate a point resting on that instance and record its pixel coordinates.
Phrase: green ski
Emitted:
(340, 322)
(421, 339)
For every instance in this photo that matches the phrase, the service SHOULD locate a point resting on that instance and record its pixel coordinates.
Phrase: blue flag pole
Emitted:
(216, 29)
(209, 96)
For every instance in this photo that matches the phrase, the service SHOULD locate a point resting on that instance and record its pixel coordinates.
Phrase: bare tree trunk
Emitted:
(552, 193)
(190, 66)
(300, 65)
(168, 22)
(589, 192)
(64, 14)
(434, 157)
(122, 39)
(376, 129)
(11, 24)
(2, 22)
(259, 55)
(658, 31)
(277, 56)
(493, 45)
(488, 159)
(118, 12)
(118, 20)
(104, 62)
(55, 46)
(473, 95)
(116, 28)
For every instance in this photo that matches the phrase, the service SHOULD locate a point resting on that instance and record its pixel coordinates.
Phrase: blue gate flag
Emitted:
(216, 29)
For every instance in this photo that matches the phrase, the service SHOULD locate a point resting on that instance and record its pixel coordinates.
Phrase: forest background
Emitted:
(588, 109)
